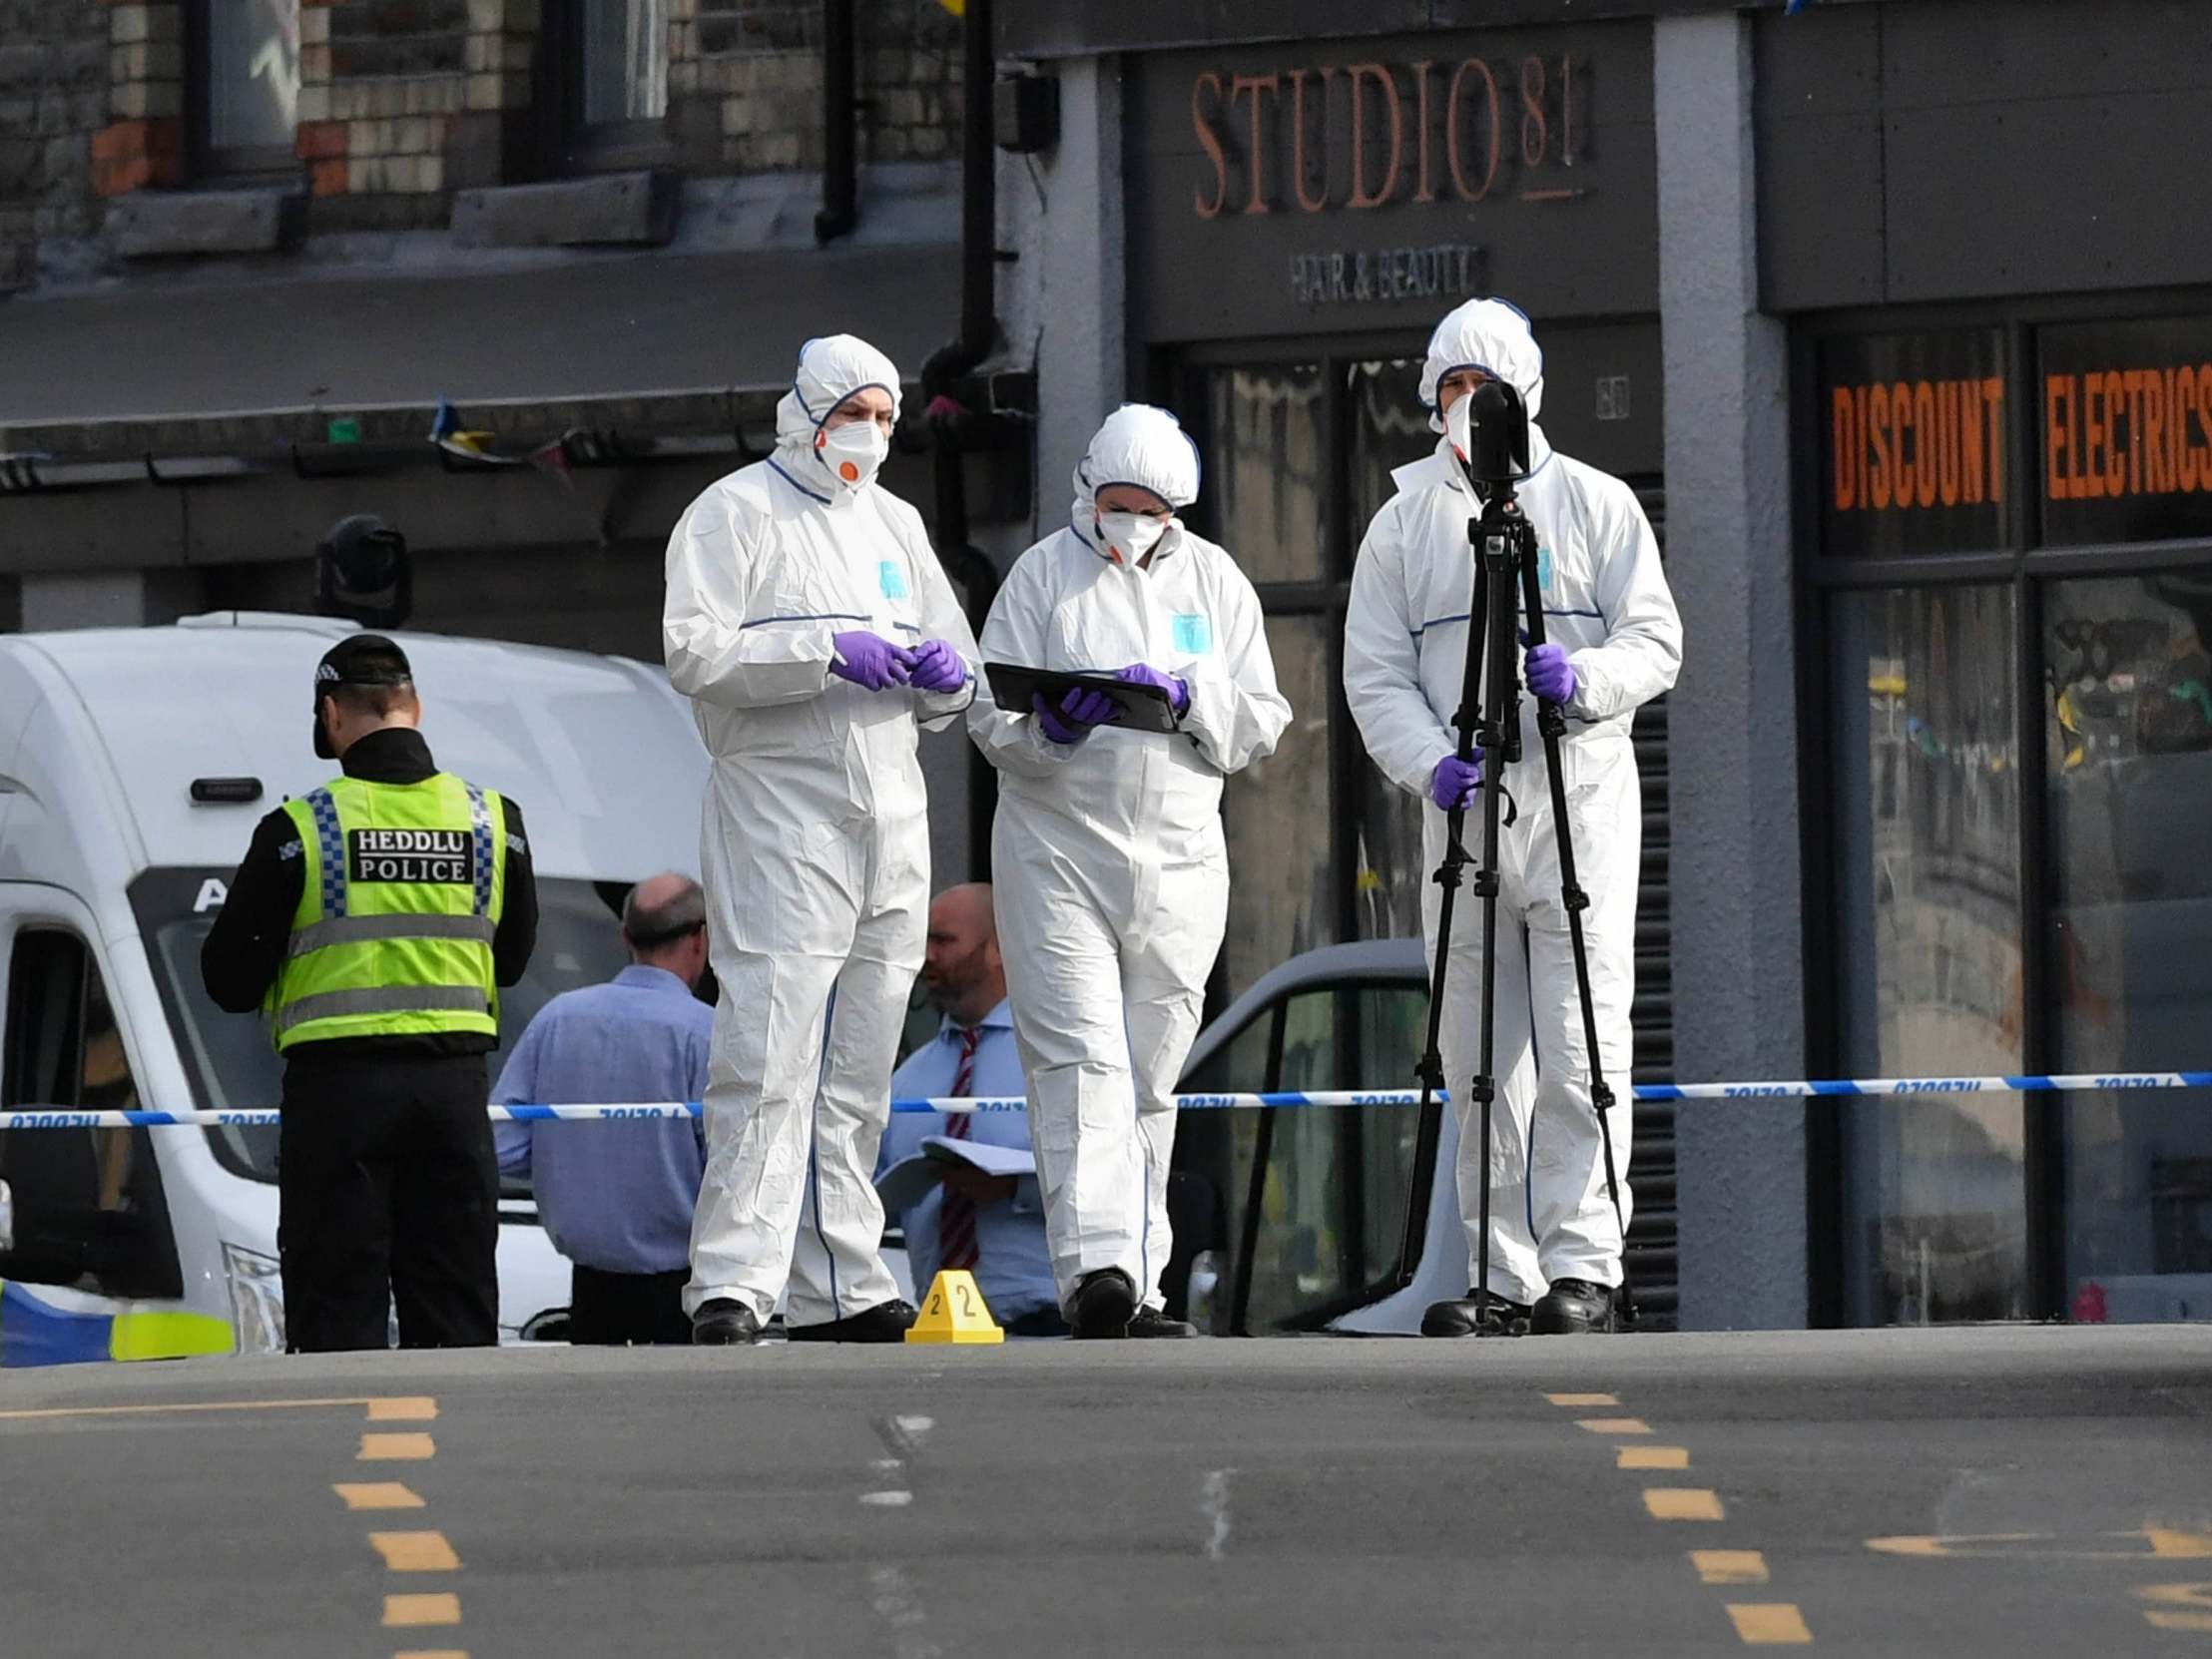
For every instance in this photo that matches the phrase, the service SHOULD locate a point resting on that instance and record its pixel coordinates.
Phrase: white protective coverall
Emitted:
(1110, 871)
(815, 850)
(1405, 639)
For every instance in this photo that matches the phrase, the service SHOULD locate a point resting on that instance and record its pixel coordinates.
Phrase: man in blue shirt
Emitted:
(617, 1198)
(991, 1225)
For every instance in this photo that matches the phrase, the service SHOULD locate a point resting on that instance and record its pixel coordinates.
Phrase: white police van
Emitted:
(134, 765)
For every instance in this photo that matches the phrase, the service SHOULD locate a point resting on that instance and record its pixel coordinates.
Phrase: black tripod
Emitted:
(1488, 717)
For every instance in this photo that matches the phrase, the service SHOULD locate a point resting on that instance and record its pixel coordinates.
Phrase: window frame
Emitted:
(206, 163)
(2028, 566)
(156, 1275)
(570, 146)
(1178, 379)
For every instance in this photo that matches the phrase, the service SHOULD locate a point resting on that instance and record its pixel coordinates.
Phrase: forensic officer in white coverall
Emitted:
(1110, 875)
(1615, 642)
(808, 622)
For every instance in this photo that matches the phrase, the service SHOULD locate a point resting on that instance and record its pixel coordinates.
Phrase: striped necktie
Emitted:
(956, 1246)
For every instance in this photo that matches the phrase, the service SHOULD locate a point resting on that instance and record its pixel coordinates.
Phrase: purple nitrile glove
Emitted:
(1453, 783)
(1072, 720)
(870, 661)
(1550, 675)
(1144, 674)
(939, 668)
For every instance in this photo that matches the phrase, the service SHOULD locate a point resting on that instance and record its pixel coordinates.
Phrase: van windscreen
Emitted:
(228, 1057)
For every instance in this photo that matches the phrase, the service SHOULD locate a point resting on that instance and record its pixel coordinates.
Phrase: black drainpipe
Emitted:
(949, 363)
(840, 159)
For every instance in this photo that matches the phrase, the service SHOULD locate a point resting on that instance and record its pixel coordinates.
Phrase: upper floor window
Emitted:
(606, 89)
(243, 69)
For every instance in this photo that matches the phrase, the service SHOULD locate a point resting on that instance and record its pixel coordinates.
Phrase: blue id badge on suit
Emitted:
(1194, 634)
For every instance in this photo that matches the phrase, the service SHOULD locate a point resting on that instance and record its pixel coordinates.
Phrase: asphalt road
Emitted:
(1296, 1497)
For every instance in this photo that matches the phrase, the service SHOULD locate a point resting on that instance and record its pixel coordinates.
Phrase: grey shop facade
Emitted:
(1933, 796)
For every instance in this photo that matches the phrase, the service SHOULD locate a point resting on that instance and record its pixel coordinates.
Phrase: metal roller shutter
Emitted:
(1653, 1263)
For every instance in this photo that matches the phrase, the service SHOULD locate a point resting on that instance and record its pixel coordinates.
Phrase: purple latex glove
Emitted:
(1550, 675)
(1079, 711)
(939, 668)
(1142, 674)
(870, 661)
(1453, 783)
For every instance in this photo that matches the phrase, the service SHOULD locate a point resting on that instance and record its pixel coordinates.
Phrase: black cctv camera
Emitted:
(364, 574)
(1497, 435)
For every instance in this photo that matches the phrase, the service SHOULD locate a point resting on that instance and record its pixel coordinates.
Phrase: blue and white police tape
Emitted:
(1801, 1089)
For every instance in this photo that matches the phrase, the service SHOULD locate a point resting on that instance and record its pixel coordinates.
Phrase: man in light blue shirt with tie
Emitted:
(617, 1198)
(991, 1225)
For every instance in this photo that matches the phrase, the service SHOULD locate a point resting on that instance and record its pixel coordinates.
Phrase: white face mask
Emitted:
(1455, 426)
(1132, 535)
(853, 452)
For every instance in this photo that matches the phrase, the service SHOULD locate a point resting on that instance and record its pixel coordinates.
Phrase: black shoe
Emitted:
(721, 1323)
(1572, 1307)
(1104, 1304)
(1456, 1318)
(887, 1322)
(1153, 1322)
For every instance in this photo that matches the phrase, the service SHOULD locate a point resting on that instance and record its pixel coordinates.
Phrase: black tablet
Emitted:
(1137, 708)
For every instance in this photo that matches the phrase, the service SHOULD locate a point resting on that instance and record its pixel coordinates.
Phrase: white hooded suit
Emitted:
(1405, 637)
(1110, 871)
(815, 850)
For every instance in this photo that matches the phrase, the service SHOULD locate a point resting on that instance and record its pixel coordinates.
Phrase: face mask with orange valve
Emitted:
(1130, 536)
(853, 452)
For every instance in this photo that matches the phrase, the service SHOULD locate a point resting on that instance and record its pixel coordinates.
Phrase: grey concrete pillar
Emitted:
(108, 598)
(1068, 296)
(1737, 952)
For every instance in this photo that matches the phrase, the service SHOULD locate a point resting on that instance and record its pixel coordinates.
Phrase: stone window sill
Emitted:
(604, 210)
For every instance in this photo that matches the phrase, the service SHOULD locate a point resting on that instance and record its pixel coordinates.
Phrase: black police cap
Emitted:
(356, 660)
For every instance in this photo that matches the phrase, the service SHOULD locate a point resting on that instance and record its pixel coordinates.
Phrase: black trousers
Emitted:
(612, 1309)
(389, 1191)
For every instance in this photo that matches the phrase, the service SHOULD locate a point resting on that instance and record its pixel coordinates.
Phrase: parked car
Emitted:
(1294, 1219)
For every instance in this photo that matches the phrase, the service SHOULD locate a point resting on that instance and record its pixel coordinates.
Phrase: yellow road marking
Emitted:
(1768, 1623)
(416, 1551)
(396, 1449)
(427, 1653)
(403, 1612)
(1651, 1458)
(1582, 1399)
(1682, 1503)
(196, 1406)
(2181, 1595)
(376, 1494)
(2188, 1607)
(1729, 1566)
(1613, 1425)
(403, 1409)
(2149, 1543)
(2163, 1619)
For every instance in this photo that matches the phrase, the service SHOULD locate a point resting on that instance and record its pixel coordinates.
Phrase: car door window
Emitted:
(89, 1210)
(1392, 1024)
(1299, 1256)
(1325, 1222)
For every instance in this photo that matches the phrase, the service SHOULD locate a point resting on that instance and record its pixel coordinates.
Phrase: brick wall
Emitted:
(403, 102)
(744, 82)
(53, 98)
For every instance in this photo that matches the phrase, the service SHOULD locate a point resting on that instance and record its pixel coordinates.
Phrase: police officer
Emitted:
(372, 922)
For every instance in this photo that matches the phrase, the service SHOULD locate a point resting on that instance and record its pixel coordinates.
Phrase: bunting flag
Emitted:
(552, 460)
(449, 435)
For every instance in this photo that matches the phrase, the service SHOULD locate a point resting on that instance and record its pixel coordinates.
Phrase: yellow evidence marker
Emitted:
(954, 1312)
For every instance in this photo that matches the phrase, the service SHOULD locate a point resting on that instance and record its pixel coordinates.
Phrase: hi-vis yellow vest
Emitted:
(403, 888)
